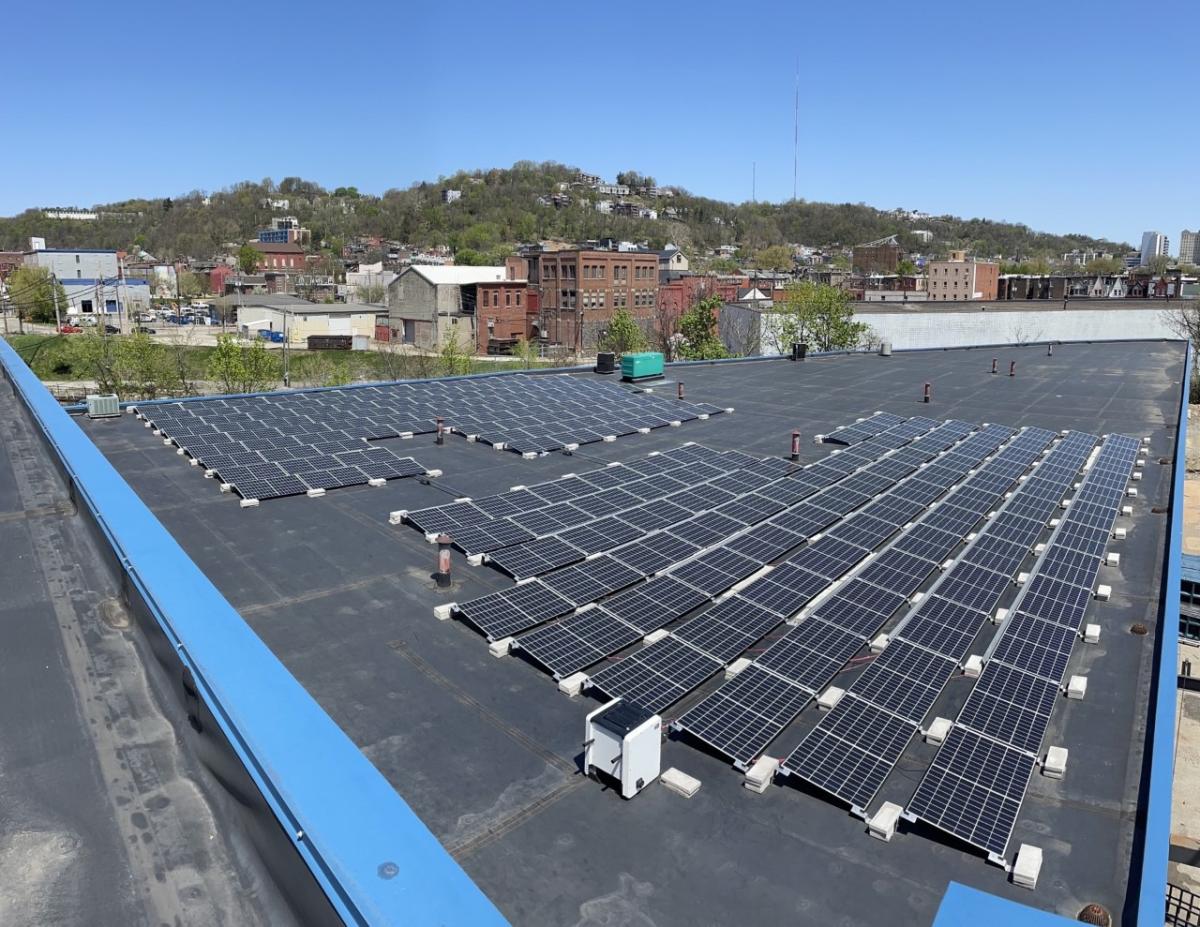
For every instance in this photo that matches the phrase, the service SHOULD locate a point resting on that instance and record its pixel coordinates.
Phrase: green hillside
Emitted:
(500, 208)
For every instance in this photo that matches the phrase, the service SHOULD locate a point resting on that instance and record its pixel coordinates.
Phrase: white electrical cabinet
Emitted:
(623, 742)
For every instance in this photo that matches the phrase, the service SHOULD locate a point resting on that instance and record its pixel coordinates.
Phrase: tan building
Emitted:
(961, 278)
(301, 318)
(877, 257)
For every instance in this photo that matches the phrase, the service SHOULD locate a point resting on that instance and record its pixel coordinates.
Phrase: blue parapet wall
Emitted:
(372, 856)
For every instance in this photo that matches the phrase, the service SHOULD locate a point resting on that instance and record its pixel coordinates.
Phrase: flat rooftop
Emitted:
(486, 751)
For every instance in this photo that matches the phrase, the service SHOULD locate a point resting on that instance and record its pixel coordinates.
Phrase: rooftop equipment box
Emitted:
(641, 366)
(623, 742)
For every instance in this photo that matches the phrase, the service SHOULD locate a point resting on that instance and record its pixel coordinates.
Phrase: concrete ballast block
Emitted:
(974, 665)
(828, 699)
(501, 647)
(882, 825)
(1056, 763)
(1001, 616)
(442, 612)
(1028, 866)
(879, 644)
(761, 774)
(1077, 687)
(1112, 559)
(1103, 592)
(572, 685)
(1119, 534)
(736, 667)
(680, 782)
(938, 731)
(1091, 633)
(655, 636)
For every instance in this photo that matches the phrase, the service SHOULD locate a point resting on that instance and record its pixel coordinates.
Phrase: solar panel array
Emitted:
(803, 661)
(854, 748)
(265, 450)
(606, 507)
(721, 634)
(281, 444)
(975, 787)
(716, 515)
(862, 429)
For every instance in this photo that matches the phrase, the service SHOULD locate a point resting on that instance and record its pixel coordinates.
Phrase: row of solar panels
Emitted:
(802, 662)
(804, 658)
(839, 484)
(589, 512)
(268, 462)
(976, 784)
(854, 748)
(527, 414)
(623, 501)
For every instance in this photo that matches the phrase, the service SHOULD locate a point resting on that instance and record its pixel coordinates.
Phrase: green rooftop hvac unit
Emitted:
(103, 406)
(641, 366)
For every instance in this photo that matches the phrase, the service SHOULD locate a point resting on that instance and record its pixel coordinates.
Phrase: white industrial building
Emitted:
(299, 318)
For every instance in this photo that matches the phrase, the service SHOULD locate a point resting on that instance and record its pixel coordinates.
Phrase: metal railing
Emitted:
(1183, 907)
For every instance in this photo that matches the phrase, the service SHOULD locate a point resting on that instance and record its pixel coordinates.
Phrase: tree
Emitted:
(817, 314)
(624, 335)
(776, 257)
(698, 326)
(243, 369)
(247, 258)
(370, 293)
(192, 285)
(32, 292)
(454, 357)
(1159, 264)
(1104, 266)
(527, 352)
(906, 268)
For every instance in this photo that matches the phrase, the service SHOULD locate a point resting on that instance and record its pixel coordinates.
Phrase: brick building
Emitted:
(505, 312)
(279, 255)
(962, 278)
(679, 293)
(877, 257)
(580, 290)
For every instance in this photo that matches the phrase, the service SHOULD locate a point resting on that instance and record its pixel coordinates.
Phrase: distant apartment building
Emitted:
(1154, 244)
(451, 196)
(961, 278)
(877, 257)
(923, 235)
(581, 289)
(1189, 247)
(285, 229)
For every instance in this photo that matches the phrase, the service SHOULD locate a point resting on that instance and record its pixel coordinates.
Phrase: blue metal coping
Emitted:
(965, 905)
(373, 857)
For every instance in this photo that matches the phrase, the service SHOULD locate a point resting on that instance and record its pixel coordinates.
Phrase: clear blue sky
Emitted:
(1065, 115)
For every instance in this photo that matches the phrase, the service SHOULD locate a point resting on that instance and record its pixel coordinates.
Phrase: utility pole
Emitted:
(287, 336)
(54, 292)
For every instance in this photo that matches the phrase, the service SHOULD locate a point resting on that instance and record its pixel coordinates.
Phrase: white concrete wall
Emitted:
(974, 327)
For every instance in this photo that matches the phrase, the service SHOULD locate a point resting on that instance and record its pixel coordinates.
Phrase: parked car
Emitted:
(69, 329)
(111, 330)
(145, 330)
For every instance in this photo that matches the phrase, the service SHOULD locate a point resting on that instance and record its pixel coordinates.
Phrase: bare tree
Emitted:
(1023, 336)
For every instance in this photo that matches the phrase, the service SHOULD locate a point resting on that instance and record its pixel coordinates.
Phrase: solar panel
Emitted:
(1035, 646)
(728, 629)
(942, 626)
(745, 714)
(1010, 705)
(585, 582)
(852, 751)
(656, 676)
(905, 679)
(502, 614)
(974, 790)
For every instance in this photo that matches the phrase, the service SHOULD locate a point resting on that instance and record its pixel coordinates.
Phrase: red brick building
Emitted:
(505, 312)
(284, 256)
(679, 295)
(580, 290)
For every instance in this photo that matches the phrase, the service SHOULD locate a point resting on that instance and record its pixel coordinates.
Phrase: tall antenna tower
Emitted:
(796, 133)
